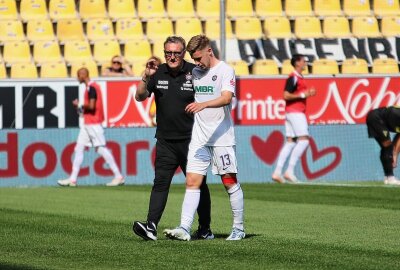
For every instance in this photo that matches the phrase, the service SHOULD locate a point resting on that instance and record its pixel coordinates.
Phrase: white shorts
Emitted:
(92, 136)
(296, 125)
(222, 158)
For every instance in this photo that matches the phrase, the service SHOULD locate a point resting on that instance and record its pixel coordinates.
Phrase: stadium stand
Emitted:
(128, 29)
(324, 8)
(99, 29)
(287, 68)
(390, 26)
(77, 51)
(385, 66)
(53, 70)
(295, 8)
(62, 9)
(188, 27)
(248, 28)
(16, 52)
(180, 9)
(104, 50)
(354, 66)
(70, 29)
(8, 10)
(265, 67)
(90, 65)
(354, 8)
(118, 9)
(365, 27)
(3, 71)
(325, 67)
(150, 9)
(386, 7)
(268, 8)
(46, 51)
(159, 28)
(11, 31)
(33, 10)
(207, 9)
(277, 27)
(137, 50)
(92, 9)
(212, 29)
(241, 67)
(336, 27)
(239, 8)
(307, 27)
(25, 70)
(38, 30)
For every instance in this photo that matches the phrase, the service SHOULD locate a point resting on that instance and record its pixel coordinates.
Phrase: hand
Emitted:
(151, 68)
(311, 92)
(75, 103)
(195, 107)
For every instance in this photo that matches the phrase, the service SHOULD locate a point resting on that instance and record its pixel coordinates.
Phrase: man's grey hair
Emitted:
(175, 39)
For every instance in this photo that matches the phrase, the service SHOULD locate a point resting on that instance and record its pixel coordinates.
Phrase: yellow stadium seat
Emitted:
(77, 51)
(11, 31)
(268, 8)
(180, 9)
(46, 51)
(159, 28)
(212, 29)
(295, 8)
(248, 28)
(24, 70)
(3, 72)
(324, 8)
(118, 9)
(239, 8)
(325, 67)
(33, 10)
(265, 67)
(354, 66)
(277, 27)
(385, 66)
(62, 9)
(241, 68)
(16, 52)
(158, 48)
(307, 27)
(391, 26)
(151, 9)
(99, 29)
(137, 50)
(188, 27)
(70, 29)
(90, 65)
(92, 9)
(53, 70)
(104, 50)
(129, 28)
(365, 27)
(386, 7)
(287, 68)
(40, 30)
(8, 10)
(355, 8)
(207, 9)
(336, 27)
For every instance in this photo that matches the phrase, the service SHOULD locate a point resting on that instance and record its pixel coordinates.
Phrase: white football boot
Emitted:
(66, 183)
(391, 180)
(178, 233)
(236, 234)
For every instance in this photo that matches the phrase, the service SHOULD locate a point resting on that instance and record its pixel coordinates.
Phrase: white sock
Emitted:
(108, 157)
(78, 159)
(283, 155)
(237, 205)
(301, 146)
(189, 207)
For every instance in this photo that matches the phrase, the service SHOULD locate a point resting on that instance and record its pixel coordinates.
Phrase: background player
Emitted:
(172, 86)
(295, 95)
(91, 133)
(380, 123)
(213, 138)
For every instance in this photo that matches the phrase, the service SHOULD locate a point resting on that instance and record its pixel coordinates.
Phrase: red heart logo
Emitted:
(316, 154)
(268, 150)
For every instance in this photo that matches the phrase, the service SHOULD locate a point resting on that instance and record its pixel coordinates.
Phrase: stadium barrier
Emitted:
(39, 129)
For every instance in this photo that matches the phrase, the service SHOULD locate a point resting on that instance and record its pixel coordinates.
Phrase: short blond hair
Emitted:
(197, 43)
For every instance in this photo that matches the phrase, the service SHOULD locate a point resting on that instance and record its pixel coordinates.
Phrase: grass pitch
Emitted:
(288, 227)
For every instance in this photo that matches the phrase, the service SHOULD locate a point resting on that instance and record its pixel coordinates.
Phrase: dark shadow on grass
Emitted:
(7, 266)
(224, 236)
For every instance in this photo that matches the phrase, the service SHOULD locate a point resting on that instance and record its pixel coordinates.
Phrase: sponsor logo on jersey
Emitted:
(188, 77)
(214, 78)
(203, 89)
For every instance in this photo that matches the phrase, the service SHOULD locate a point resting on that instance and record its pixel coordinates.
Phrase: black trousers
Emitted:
(171, 154)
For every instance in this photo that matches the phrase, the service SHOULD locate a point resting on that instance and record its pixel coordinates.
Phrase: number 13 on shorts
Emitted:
(224, 160)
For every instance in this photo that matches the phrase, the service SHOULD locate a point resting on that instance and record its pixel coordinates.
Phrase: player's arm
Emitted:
(88, 107)
(223, 100)
(142, 93)
(290, 88)
(396, 149)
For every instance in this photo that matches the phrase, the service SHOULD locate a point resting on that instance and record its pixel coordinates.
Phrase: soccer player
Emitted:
(91, 133)
(380, 123)
(295, 94)
(171, 84)
(213, 138)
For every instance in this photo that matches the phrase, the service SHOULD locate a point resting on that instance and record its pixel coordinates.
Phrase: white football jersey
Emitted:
(213, 126)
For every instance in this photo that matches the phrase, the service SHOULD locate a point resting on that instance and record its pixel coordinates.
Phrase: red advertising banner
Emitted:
(259, 101)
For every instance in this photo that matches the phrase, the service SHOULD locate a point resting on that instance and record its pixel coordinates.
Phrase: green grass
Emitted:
(288, 227)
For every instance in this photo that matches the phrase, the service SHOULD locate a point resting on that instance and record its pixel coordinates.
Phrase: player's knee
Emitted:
(193, 180)
(387, 152)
